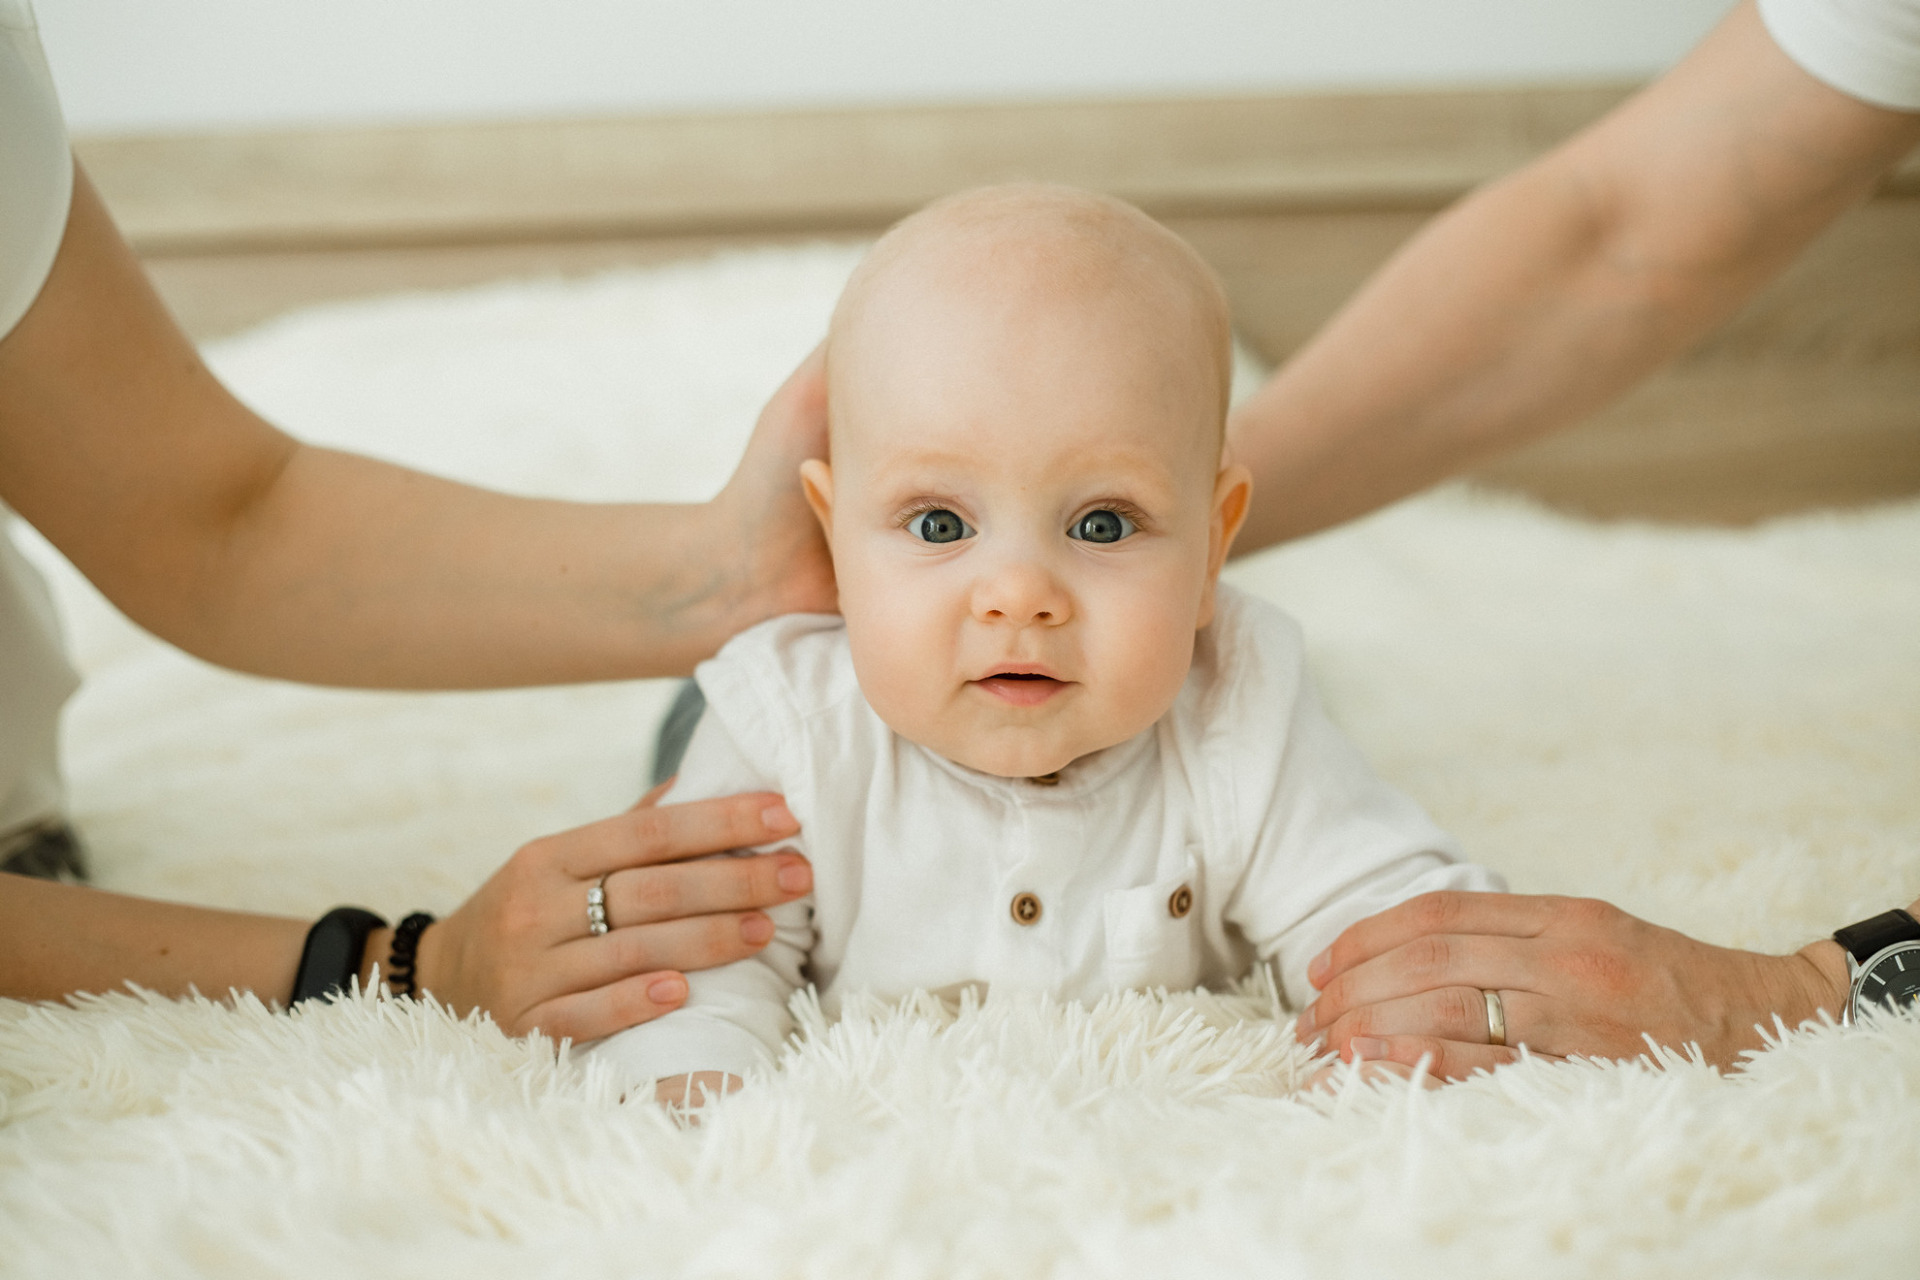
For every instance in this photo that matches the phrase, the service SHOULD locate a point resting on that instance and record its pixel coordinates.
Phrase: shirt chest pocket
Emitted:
(1153, 932)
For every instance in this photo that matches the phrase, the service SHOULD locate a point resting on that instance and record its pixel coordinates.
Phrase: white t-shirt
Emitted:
(1241, 826)
(36, 187)
(1867, 48)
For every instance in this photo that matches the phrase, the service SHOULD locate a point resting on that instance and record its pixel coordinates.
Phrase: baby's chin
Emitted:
(1015, 755)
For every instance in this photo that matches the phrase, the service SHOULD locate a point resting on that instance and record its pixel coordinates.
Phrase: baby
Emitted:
(1043, 749)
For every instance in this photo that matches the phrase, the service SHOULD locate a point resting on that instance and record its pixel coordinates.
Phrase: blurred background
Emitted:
(267, 154)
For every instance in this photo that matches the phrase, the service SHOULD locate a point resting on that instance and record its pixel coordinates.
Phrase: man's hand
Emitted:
(1575, 976)
(519, 947)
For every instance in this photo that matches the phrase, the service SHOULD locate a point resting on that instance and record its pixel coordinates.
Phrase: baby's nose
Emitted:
(1021, 593)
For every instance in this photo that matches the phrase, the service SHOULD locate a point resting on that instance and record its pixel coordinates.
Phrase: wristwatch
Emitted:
(1883, 961)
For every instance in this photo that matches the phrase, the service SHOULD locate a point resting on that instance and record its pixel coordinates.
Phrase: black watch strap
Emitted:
(331, 959)
(1869, 938)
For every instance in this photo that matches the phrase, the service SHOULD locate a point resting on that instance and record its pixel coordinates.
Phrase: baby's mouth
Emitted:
(1021, 688)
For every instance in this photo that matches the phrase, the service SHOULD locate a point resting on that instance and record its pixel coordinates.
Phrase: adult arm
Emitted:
(1575, 976)
(227, 537)
(518, 948)
(1546, 294)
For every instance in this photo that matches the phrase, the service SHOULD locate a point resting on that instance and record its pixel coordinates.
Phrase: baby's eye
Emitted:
(1102, 526)
(939, 525)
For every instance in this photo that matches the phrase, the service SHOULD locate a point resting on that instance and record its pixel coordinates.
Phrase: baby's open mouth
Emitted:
(1021, 688)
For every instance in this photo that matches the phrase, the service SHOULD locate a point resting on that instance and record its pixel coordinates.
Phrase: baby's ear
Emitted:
(1231, 492)
(816, 479)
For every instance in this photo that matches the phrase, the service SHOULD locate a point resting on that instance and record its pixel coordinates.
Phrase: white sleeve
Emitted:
(1334, 845)
(735, 1018)
(1868, 49)
(36, 168)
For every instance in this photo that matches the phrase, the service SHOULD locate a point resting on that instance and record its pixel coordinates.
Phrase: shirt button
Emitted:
(1180, 903)
(1026, 908)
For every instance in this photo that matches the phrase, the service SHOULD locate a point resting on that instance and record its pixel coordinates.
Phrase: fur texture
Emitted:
(1719, 730)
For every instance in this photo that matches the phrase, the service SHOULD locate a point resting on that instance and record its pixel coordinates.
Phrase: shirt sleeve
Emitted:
(36, 168)
(1868, 49)
(1331, 841)
(735, 1018)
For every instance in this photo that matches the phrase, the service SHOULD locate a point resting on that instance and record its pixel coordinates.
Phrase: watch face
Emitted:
(1891, 978)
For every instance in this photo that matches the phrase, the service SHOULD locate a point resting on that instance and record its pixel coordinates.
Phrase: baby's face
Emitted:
(1027, 514)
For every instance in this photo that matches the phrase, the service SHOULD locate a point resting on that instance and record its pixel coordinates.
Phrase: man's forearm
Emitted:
(1544, 296)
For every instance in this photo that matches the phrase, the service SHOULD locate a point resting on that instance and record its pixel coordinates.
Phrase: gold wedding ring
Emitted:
(597, 908)
(1496, 1019)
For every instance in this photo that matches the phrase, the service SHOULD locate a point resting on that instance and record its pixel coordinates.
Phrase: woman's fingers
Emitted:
(695, 942)
(644, 895)
(601, 1011)
(668, 833)
(1447, 911)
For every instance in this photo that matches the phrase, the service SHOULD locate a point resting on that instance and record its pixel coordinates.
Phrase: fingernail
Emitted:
(1304, 1024)
(669, 990)
(794, 877)
(778, 818)
(1367, 1047)
(1317, 968)
(756, 929)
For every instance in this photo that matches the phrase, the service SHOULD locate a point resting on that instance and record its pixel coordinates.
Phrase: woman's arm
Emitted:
(518, 948)
(234, 541)
(1543, 296)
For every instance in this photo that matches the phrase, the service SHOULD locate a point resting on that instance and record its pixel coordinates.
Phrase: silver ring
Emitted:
(597, 908)
(1496, 1020)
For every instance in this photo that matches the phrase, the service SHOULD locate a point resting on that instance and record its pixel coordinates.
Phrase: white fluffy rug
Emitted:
(1720, 731)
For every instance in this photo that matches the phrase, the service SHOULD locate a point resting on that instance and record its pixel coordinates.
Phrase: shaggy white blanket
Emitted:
(1718, 730)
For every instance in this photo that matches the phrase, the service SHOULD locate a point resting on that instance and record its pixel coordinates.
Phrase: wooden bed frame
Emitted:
(1809, 398)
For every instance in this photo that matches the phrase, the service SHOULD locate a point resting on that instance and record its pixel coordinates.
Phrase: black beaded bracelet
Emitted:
(405, 950)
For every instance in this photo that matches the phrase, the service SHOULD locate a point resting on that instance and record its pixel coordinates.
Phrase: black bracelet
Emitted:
(405, 949)
(331, 959)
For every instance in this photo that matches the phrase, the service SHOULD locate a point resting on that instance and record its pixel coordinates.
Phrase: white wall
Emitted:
(155, 65)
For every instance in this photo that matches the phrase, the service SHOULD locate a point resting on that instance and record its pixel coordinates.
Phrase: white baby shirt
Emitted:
(1240, 826)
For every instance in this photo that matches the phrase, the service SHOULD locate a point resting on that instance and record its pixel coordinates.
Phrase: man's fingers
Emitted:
(671, 832)
(1447, 1059)
(1428, 963)
(601, 1011)
(644, 895)
(1451, 1013)
(695, 942)
(1446, 911)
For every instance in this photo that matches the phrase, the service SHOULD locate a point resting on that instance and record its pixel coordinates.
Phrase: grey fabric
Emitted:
(676, 731)
(46, 851)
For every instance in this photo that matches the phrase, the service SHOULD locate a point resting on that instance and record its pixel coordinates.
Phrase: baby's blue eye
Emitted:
(1102, 526)
(939, 525)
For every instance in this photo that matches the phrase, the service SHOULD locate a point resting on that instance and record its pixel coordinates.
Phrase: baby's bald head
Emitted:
(1035, 259)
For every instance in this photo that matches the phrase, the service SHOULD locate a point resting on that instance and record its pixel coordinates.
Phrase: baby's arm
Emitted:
(735, 1018)
(1334, 845)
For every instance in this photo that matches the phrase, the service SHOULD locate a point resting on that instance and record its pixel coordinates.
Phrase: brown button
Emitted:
(1046, 779)
(1026, 908)
(1181, 902)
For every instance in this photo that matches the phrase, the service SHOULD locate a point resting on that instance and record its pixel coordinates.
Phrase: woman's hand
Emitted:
(775, 558)
(519, 947)
(1574, 976)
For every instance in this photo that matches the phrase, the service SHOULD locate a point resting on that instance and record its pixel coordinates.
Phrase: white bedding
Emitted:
(1718, 730)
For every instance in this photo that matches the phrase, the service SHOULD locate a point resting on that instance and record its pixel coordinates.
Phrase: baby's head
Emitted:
(1026, 501)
